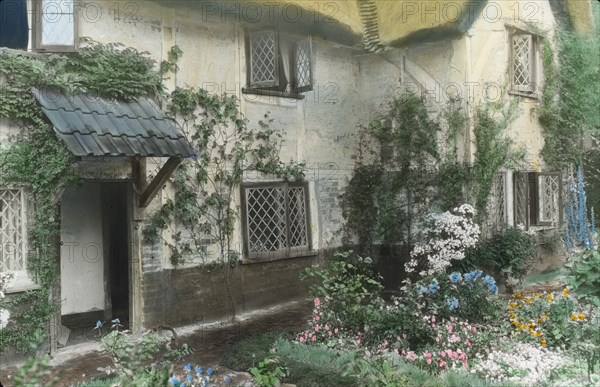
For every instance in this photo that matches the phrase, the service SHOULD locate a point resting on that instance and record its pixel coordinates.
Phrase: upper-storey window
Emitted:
(525, 63)
(54, 27)
(277, 62)
(39, 25)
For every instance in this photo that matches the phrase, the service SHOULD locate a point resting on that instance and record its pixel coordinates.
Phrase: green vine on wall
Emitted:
(39, 162)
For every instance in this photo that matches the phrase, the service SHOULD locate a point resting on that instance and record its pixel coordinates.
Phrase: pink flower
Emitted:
(450, 328)
(326, 326)
(469, 344)
(465, 364)
(428, 355)
(443, 353)
(403, 353)
(462, 357)
(336, 331)
(454, 355)
(317, 302)
(314, 338)
(302, 339)
(473, 330)
(429, 361)
(316, 328)
(329, 334)
(315, 311)
(442, 364)
(316, 318)
(411, 356)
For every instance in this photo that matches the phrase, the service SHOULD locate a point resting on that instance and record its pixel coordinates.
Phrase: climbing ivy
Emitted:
(39, 162)
(572, 72)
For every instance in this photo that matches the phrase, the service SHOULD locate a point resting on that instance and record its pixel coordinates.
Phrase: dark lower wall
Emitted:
(178, 297)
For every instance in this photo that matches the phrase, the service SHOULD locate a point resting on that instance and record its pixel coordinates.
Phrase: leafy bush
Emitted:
(552, 319)
(445, 238)
(248, 352)
(585, 277)
(470, 296)
(349, 289)
(269, 372)
(314, 365)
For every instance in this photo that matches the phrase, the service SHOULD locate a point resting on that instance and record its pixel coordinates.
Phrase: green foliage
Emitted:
(585, 277)
(142, 361)
(269, 372)
(349, 288)
(35, 372)
(492, 149)
(314, 365)
(567, 118)
(244, 354)
(508, 251)
(476, 297)
(376, 373)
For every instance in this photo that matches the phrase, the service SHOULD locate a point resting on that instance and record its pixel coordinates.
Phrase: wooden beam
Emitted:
(159, 180)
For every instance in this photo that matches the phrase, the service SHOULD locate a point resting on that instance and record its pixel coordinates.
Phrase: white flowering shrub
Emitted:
(6, 280)
(525, 364)
(446, 237)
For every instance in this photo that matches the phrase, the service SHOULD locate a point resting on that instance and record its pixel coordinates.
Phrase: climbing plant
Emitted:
(571, 96)
(37, 161)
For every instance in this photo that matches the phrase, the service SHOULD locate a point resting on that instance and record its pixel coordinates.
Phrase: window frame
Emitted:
(529, 213)
(285, 84)
(531, 90)
(22, 280)
(37, 29)
(288, 251)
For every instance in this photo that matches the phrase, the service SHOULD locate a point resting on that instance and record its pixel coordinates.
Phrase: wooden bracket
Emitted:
(159, 180)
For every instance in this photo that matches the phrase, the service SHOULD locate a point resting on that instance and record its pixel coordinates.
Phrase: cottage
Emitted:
(320, 69)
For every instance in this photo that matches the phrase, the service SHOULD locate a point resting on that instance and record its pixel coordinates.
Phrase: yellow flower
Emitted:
(551, 297)
(566, 293)
(574, 317)
(518, 295)
(581, 316)
(538, 334)
(544, 343)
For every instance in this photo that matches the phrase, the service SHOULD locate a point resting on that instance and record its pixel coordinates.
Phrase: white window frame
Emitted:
(22, 280)
(287, 250)
(289, 55)
(531, 88)
(40, 11)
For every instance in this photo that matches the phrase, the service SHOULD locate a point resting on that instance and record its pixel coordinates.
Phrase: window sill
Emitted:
(533, 96)
(272, 93)
(22, 284)
(275, 256)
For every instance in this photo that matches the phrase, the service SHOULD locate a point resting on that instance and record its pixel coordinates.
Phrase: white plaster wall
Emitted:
(81, 258)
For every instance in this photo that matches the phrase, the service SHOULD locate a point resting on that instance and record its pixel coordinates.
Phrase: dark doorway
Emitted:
(115, 220)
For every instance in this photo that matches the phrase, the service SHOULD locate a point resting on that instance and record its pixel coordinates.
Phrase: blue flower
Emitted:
(210, 371)
(199, 371)
(183, 384)
(433, 287)
(489, 280)
(455, 277)
(116, 321)
(99, 324)
(175, 381)
(493, 289)
(423, 290)
(452, 303)
(228, 380)
(188, 367)
(190, 378)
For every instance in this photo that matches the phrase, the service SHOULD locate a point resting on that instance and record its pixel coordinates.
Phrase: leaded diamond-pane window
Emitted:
(276, 220)
(303, 77)
(549, 198)
(537, 199)
(524, 62)
(263, 63)
(12, 230)
(277, 62)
